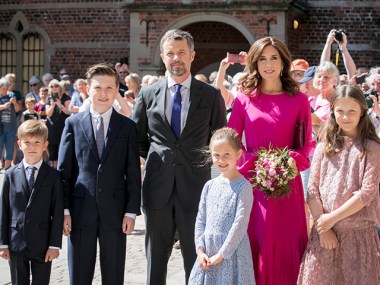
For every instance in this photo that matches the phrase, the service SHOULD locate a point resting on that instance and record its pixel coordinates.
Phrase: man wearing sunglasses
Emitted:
(35, 85)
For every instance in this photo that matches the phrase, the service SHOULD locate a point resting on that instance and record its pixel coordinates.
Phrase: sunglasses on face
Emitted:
(62, 74)
(32, 85)
(123, 72)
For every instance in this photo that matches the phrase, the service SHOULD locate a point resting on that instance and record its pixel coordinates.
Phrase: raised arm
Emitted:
(349, 63)
(326, 53)
(219, 82)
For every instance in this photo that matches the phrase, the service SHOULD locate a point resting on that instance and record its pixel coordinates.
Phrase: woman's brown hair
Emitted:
(252, 79)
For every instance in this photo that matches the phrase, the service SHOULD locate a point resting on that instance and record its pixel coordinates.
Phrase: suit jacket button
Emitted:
(27, 221)
(174, 164)
(100, 170)
(100, 190)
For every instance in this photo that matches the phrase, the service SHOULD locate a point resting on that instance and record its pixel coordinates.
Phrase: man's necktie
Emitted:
(99, 135)
(176, 112)
(31, 170)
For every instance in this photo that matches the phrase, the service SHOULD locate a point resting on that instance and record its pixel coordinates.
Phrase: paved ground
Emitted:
(135, 268)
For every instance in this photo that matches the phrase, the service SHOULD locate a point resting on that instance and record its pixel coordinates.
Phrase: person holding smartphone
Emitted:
(229, 94)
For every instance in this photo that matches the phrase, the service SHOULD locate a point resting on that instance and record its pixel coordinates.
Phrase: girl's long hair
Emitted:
(332, 134)
(252, 79)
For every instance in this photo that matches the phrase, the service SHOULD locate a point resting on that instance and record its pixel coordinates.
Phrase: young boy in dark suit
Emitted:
(31, 210)
(99, 160)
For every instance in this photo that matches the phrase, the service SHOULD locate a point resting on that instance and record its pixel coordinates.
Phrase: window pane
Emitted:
(7, 54)
(33, 58)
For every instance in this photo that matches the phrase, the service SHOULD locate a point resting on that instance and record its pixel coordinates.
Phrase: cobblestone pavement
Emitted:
(135, 266)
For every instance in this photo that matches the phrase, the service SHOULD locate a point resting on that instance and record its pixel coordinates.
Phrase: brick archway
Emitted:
(225, 27)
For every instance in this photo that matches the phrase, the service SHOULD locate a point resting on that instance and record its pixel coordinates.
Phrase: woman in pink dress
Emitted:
(267, 113)
(343, 196)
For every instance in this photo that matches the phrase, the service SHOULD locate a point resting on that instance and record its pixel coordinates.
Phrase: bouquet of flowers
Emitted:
(273, 172)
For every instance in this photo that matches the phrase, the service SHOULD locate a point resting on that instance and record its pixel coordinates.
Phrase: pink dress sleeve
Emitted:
(237, 122)
(369, 189)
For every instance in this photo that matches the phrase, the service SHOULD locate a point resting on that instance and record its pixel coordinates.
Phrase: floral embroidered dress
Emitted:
(221, 227)
(277, 227)
(333, 181)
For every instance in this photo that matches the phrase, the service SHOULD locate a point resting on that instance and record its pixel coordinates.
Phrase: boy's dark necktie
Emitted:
(99, 135)
(31, 170)
(176, 111)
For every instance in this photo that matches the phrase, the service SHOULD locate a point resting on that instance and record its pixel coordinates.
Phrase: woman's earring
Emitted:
(281, 71)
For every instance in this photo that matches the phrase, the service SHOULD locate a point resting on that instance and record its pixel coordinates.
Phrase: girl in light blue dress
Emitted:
(221, 239)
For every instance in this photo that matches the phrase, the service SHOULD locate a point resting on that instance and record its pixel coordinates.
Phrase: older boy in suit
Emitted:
(31, 210)
(99, 161)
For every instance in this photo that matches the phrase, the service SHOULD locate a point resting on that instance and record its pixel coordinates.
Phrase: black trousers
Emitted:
(23, 263)
(82, 249)
(161, 225)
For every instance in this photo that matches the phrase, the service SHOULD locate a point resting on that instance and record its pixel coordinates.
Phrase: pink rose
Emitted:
(272, 172)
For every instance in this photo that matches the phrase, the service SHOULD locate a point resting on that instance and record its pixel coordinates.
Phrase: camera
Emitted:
(368, 99)
(54, 97)
(360, 79)
(339, 36)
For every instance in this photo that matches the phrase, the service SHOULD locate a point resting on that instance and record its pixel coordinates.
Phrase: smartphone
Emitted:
(54, 97)
(235, 58)
(369, 100)
(360, 79)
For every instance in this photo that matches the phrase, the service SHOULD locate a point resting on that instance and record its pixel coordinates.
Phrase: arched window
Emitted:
(32, 58)
(7, 54)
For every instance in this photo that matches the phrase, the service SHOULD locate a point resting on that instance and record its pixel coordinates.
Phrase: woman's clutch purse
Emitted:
(299, 135)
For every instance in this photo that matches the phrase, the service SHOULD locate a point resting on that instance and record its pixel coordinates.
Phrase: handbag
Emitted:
(299, 135)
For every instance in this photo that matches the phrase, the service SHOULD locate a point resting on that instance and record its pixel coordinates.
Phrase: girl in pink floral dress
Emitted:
(343, 196)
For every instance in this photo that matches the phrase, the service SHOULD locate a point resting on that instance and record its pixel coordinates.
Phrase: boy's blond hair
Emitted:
(30, 100)
(32, 128)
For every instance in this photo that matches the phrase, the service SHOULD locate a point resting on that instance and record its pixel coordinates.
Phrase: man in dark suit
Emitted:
(175, 118)
(99, 161)
(31, 210)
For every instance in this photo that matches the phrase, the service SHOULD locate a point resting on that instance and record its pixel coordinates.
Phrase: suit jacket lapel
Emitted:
(160, 95)
(195, 98)
(113, 130)
(22, 177)
(42, 172)
(86, 124)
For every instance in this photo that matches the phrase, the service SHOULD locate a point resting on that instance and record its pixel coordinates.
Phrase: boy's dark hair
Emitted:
(32, 128)
(101, 69)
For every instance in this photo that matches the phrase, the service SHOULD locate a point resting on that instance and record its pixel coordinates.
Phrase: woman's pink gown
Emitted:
(277, 227)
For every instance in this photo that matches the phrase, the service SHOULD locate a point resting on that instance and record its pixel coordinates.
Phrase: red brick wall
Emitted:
(78, 26)
(359, 22)
(110, 25)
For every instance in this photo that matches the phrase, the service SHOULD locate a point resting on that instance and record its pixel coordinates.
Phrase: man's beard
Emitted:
(177, 70)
